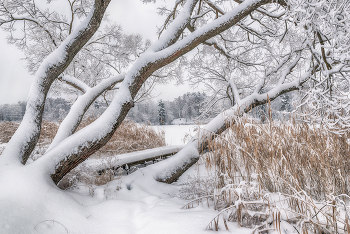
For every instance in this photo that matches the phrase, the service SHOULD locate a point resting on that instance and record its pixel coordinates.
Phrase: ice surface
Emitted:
(177, 134)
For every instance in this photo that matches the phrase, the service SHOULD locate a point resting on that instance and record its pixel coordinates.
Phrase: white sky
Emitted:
(133, 15)
(14, 78)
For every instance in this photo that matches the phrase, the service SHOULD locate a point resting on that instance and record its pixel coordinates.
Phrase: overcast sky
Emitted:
(134, 16)
(14, 78)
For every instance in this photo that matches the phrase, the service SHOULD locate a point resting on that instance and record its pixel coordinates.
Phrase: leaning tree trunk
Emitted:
(165, 51)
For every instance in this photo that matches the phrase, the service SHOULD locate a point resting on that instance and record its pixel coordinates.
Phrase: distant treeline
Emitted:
(55, 110)
(188, 107)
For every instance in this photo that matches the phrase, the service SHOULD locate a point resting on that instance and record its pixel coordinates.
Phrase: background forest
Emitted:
(189, 108)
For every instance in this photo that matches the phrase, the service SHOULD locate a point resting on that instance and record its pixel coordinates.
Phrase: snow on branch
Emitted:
(133, 158)
(289, 69)
(206, 32)
(275, 69)
(70, 124)
(175, 29)
(235, 92)
(74, 82)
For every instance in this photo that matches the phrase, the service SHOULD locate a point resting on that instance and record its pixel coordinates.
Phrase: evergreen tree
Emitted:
(161, 112)
(286, 101)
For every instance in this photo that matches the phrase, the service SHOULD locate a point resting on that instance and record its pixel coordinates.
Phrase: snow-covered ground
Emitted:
(35, 205)
(134, 204)
(31, 203)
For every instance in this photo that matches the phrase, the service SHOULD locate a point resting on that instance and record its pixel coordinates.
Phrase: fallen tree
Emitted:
(129, 160)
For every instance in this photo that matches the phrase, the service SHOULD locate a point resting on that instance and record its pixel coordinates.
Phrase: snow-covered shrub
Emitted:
(86, 177)
(195, 187)
(252, 207)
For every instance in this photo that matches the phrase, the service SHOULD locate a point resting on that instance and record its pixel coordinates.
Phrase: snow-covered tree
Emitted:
(281, 45)
(161, 113)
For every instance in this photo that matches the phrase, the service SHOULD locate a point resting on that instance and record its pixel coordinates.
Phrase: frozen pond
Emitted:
(177, 134)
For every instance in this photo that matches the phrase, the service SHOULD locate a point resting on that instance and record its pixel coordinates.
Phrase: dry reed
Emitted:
(284, 155)
(129, 137)
(48, 131)
(277, 175)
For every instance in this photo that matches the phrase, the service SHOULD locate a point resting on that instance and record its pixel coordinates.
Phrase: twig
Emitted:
(53, 221)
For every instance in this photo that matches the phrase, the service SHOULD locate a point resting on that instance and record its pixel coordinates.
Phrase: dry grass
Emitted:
(284, 155)
(276, 176)
(129, 137)
(48, 131)
(7, 129)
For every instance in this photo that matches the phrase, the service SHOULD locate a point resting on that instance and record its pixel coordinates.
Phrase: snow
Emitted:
(88, 135)
(101, 127)
(29, 128)
(31, 203)
(78, 83)
(209, 30)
